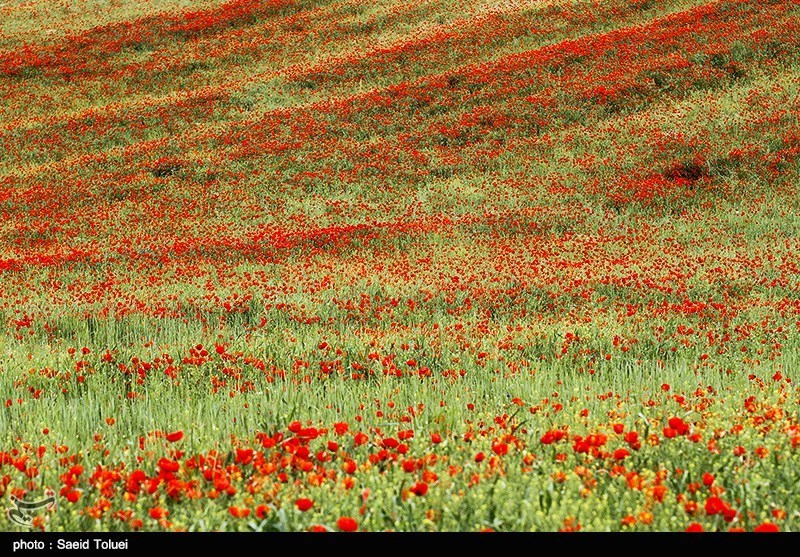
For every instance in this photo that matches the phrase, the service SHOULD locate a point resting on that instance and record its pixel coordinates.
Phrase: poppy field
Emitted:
(334, 265)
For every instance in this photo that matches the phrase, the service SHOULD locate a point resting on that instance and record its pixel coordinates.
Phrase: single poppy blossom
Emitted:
(621, 454)
(715, 505)
(174, 436)
(766, 527)
(304, 504)
(500, 449)
(360, 438)
(708, 479)
(347, 524)
(158, 513)
(436, 438)
(390, 443)
(420, 489)
(73, 496)
(694, 527)
(350, 467)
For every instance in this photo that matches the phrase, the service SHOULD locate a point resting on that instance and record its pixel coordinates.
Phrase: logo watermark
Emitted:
(23, 511)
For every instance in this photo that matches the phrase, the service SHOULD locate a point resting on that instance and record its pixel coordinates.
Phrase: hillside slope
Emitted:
(305, 210)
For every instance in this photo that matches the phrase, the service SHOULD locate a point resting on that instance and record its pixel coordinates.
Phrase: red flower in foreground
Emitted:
(500, 449)
(420, 489)
(73, 496)
(347, 524)
(158, 513)
(304, 504)
(239, 512)
(436, 438)
(694, 527)
(621, 454)
(715, 505)
(174, 436)
(766, 527)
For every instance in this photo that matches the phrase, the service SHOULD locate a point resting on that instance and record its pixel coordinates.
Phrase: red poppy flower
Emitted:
(500, 449)
(360, 438)
(436, 438)
(174, 436)
(167, 465)
(694, 527)
(347, 524)
(708, 479)
(239, 512)
(73, 496)
(390, 443)
(766, 527)
(715, 505)
(621, 454)
(304, 504)
(158, 513)
(659, 492)
(244, 456)
(681, 427)
(420, 489)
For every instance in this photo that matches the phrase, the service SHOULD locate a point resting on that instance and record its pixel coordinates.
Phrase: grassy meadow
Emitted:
(414, 266)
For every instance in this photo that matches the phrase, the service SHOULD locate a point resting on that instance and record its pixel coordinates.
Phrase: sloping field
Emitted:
(393, 265)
